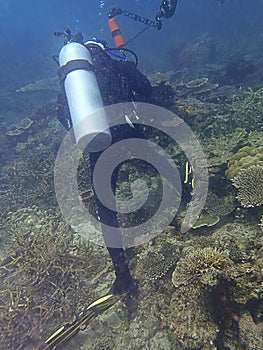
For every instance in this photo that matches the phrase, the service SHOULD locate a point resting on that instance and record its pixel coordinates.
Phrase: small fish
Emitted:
(188, 175)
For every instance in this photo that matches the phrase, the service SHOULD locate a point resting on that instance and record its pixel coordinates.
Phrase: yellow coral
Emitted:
(243, 159)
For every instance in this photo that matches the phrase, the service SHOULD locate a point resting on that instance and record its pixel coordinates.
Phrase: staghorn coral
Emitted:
(26, 176)
(249, 183)
(29, 178)
(255, 138)
(192, 107)
(46, 279)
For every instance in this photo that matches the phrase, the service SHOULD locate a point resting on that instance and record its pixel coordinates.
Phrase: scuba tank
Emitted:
(91, 129)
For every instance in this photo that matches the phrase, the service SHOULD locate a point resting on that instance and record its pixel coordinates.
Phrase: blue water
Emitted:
(28, 42)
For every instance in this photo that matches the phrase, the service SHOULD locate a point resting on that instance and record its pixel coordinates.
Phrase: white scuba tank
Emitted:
(91, 129)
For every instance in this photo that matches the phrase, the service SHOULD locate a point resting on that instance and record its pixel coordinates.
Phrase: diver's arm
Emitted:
(138, 82)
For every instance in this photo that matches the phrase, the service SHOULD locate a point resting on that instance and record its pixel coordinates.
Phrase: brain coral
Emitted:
(249, 183)
(243, 159)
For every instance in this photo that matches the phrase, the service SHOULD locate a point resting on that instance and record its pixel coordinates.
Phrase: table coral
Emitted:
(249, 183)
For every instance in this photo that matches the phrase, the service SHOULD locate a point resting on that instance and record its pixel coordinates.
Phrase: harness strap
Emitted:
(71, 66)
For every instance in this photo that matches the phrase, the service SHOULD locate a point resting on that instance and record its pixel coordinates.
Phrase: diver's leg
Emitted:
(124, 282)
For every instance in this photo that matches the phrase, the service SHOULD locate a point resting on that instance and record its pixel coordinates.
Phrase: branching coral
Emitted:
(249, 183)
(219, 148)
(202, 268)
(248, 107)
(45, 281)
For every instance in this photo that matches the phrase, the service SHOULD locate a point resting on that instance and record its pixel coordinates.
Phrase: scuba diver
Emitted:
(118, 80)
(92, 76)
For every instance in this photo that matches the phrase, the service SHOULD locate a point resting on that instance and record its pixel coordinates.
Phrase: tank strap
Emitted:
(71, 66)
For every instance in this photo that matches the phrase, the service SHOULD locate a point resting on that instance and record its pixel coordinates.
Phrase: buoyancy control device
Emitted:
(84, 99)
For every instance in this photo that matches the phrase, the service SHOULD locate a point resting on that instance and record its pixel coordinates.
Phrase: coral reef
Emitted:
(194, 278)
(243, 159)
(219, 149)
(220, 206)
(19, 128)
(255, 138)
(251, 333)
(163, 94)
(202, 50)
(29, 177)
(195, 88)
(155, 263)
(202, 268)
(50, 84)
(206, 220)
(47, 278)
(247, 108)
(48, 273)
(132, 179)
(27, 171)
(249, 183)
(215, 280)
(236, 70)
(215, 208)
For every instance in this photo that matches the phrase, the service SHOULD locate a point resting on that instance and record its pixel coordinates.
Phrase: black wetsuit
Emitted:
(118, 81)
